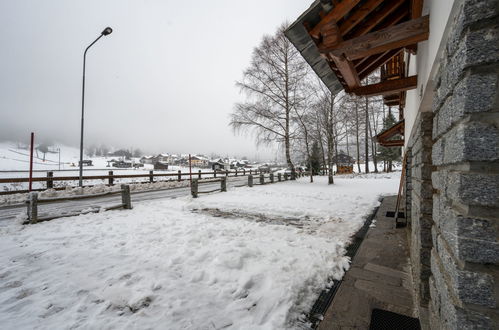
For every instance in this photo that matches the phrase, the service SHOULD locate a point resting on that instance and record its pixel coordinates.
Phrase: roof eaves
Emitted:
(299, 37)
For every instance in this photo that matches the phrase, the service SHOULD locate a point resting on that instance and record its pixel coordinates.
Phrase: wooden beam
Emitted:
(347, 71)
(337, 13)
(401, 35)
(392, 143)
(416, 8)
(392, 103)
(397, 128)
(394, 18)
(331, 36)
(359, 15)
(392, 97)
(375, 19)
(416, 11)
(369, 67)
(388, 87)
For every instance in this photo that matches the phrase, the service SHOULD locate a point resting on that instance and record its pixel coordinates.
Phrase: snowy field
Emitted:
(251, 258)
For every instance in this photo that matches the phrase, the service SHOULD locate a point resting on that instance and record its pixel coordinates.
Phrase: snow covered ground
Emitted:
(251, 258)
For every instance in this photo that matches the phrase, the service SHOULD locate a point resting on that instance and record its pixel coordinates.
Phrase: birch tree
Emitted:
(328, 106)
(274, 86)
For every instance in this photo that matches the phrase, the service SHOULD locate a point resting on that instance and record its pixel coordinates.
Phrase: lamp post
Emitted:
(106, 32)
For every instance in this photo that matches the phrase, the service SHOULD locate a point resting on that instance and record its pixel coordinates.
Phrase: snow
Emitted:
(92, 190)
(251, 258)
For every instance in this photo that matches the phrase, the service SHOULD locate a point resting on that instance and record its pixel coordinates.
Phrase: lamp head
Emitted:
(107, 31)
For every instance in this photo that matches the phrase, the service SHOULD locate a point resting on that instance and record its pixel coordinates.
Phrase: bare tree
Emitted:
(274, 86)
(328, 109)
(305, 120)
(357, 133)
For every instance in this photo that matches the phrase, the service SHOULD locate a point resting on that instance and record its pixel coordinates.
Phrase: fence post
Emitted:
(110, 180)
(151, 177)
(179, 175)
(251, 172)
(199, 174)
(33, 207)
(285, 176)
(50, 180)
(262, 179)
(244, 171)
(223, 184)
(125, 197)
(250, 180)
(236, 171)
(194, 188)
(214, 173)
(279, 177)
(271, 177)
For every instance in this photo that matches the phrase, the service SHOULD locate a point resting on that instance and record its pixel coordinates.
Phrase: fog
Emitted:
(163, 81)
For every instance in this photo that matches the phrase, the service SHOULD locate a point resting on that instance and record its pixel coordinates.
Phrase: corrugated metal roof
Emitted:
(300, 38)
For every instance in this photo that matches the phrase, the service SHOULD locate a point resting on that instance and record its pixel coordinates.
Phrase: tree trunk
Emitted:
(348, 146)
(330, 141)
(373, 149)
(367, 135)
(357, 136)
(322, 149)
(288, 110)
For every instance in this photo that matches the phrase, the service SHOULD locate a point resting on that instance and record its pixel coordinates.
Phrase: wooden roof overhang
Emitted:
(385, 138)
(345, 41)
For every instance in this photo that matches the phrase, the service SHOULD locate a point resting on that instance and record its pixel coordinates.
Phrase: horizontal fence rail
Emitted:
(150, 177)
(33, 202)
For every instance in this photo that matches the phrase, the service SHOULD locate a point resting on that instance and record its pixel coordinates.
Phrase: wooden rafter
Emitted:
(370, 66)
(392, 143)
(347, 71)
(394, 18)
(337, 13)
(384, 137)
(416, 11)
(377, 17)
(401, 35)
(331, 36)
(361, 12)
(416, 8)
(388, 87)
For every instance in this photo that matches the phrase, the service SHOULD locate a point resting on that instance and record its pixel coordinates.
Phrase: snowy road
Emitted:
(10, 212)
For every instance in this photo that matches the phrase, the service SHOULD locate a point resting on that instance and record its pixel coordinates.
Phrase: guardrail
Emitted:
(33, 202)
(50, 179)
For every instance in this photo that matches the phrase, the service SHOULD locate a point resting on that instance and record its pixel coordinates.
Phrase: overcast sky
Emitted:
(162, 81)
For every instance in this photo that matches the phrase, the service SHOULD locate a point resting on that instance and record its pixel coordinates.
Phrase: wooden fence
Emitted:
(223, 182)
(150, 177)
(33, 202)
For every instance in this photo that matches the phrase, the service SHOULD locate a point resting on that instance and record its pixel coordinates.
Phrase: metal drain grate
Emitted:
(385, 320)
(326, 297)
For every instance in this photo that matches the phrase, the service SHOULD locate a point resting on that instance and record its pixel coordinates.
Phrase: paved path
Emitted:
(9, 213)
(379, 277)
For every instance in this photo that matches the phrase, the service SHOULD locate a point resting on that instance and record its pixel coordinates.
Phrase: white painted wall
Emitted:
(425, 63)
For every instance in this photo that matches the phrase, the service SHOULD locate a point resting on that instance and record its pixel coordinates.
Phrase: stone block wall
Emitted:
(419, 194)
(464, 282)
(408, 186)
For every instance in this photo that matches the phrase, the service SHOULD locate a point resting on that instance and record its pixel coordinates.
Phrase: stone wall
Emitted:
(408, 186)
(419, 194)
(464, 285)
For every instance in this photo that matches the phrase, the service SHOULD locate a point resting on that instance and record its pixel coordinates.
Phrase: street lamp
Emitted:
(106, 32)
